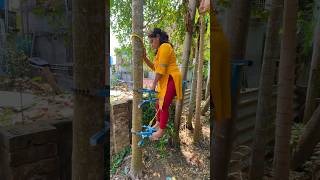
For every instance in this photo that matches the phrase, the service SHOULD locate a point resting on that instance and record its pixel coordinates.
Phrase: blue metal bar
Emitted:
(147, 133)
(100, 136)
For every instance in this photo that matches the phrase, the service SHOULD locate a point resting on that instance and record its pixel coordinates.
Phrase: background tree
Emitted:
(189, 23)
(313, 90)
(264, 109)
(284, 114)
(193, 87)
(197, 126)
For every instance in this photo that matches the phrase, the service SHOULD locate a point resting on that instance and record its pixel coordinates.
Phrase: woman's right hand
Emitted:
(144, 56)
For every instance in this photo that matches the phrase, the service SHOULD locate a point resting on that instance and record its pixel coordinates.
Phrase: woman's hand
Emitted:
(144, 56)
(153, 87)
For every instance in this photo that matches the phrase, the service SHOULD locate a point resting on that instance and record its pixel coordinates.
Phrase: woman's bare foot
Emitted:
(157, 135)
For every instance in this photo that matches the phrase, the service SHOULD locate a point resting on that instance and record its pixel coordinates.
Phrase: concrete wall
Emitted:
(254, 52)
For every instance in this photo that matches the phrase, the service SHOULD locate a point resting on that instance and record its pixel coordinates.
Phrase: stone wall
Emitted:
(29, 152)
(44, 150)
(121, 117)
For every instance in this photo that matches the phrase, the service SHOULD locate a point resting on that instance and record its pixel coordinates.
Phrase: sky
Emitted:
(113, 44)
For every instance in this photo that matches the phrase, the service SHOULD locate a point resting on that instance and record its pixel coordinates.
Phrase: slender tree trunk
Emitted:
(313, 91)
(193, 88)
(264, 110)
(185, 57)
(137, 51)
(237, 30)
(285, 92)
(208, 84)
(205, 106)
(310, 137)
(89, 67)
(198, 126)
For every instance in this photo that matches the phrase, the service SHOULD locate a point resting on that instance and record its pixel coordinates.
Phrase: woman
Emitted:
(168, 79)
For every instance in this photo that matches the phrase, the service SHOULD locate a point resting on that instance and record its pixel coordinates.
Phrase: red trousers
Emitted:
(163, 115)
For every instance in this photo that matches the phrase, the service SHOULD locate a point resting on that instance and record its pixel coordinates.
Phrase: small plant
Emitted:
(296, 132)
(118, 158)
(5, 116)
(164, 140)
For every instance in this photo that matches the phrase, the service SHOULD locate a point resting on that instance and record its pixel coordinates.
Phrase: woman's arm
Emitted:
(156, 79)
(147, 61)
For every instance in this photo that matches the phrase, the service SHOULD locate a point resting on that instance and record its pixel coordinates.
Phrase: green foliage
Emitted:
(165, 14)
(261, 14)
(118, 158)
(53, 10)
(162, 144)
(148, 112)
(305, 30)
(6, 116)
(37, 79)
(17, 65)
(55, 14)
(296, 132)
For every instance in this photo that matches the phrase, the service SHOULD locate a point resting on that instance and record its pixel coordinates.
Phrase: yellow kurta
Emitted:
(165, 64)
(220, 72)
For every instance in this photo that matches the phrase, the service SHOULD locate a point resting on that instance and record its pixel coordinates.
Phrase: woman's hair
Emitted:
(164, 38)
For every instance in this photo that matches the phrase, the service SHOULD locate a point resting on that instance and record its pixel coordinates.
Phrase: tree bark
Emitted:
(205, 106)
(237, 30)
(197, 126)
(264, 110)
(237, 27)
(285, 92)
(89, 72)
(313, 91)
(208, 84)
(137, 52)
(185, 57)
(310, 137)
(193, 88)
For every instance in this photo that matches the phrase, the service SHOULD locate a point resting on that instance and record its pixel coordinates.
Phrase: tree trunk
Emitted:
(205, 106)
(281, 163)
(208, 84)
(237, 27)
(264, 110)
(89, 67)
(197, 126)
(310, 137)
(313, 91)
(237, 30)
(185, 58)
(137, 52)
(107, 82)
(193, 88)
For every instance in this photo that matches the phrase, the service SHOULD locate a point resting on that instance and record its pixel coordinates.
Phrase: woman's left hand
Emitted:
(153, 87)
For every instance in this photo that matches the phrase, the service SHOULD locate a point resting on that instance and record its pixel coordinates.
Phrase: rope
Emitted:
(151, 121)
(139, 37)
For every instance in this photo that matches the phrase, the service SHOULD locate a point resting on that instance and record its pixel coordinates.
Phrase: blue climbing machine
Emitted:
(147, 131)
